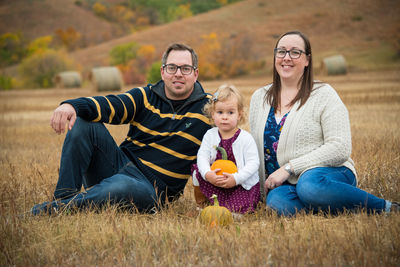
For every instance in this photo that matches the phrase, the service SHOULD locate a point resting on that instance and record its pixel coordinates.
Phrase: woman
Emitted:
(302, 131)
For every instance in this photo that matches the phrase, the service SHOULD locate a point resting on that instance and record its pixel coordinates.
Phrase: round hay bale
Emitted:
(68, 79)
(106, 79)
(334, 65)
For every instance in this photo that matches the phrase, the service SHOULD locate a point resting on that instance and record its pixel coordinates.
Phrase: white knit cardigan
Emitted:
(245, 151)
(316, 135)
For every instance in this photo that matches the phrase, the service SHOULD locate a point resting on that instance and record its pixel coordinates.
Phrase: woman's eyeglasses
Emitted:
(293, 53)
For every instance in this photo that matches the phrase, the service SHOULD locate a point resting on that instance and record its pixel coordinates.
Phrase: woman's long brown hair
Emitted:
(273, 96)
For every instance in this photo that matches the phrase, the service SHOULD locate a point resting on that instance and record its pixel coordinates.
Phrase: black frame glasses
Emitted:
(293, 53)
(173, 68)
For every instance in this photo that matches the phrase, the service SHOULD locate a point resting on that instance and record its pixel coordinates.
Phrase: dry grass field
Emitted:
(29, 162)
(364, 31)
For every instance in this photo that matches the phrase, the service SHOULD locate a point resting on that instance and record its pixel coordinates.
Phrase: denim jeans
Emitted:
(327, 189)
(90, 157)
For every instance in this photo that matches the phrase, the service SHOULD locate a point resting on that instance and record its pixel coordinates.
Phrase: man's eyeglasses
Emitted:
(293, 53)
(172, 69)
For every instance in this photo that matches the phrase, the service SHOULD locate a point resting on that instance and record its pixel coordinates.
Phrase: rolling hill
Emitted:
(353, 28)
(36, 18)
(362, 30)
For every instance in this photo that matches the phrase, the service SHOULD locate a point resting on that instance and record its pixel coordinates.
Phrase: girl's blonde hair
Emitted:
(223, 93)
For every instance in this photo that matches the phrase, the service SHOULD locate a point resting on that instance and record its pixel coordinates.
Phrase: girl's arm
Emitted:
(204, 155)
(251, 160)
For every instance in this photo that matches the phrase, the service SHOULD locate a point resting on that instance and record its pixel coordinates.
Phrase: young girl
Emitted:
(240, 191)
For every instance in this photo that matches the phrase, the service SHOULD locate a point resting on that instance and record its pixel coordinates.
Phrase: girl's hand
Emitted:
(227, 181)
(212, 177)
(277, 178)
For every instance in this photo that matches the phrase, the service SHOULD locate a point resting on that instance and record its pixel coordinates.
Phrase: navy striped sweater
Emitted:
(161, 141)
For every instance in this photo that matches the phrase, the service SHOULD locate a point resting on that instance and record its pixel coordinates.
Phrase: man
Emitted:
(153, 164)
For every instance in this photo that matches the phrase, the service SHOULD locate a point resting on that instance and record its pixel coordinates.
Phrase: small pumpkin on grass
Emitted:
(224, 164)
(216, 215)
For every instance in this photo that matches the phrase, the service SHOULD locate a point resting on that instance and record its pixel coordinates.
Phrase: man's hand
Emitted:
(61, 115)
(277, 178)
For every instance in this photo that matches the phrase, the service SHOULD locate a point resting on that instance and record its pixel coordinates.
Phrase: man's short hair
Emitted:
(180, 47)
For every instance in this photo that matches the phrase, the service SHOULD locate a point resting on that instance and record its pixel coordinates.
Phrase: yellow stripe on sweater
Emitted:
(112, 111)
(164, 171)
(134, 105)
(164, 149)
(170, 115)
(180, 133)
(125, 111)
(98, 109)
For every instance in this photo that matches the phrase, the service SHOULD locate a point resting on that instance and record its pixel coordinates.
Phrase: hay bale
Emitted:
(334, 65)
(68, 79)
(106, 79)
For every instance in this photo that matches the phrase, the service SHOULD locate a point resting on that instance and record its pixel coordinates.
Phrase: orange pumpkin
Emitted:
(216, 215)
(224, 164)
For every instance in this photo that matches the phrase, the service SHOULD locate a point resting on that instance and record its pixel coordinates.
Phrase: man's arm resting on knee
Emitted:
(65, 112)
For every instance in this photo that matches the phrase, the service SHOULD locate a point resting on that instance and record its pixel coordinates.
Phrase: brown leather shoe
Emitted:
(200, 199)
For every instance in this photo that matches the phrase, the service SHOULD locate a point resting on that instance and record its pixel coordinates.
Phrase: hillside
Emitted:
(366, 32)
(353, 28)
(36, 18)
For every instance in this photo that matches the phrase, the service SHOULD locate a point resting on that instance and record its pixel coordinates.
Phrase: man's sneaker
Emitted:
(395, 207)
(43, 208)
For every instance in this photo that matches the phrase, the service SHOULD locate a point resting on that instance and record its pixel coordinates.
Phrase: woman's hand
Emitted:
(277, 178)
(227, 181)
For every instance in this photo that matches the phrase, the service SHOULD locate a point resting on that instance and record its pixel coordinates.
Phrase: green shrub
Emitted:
(356, 18)
(154, 74)
(122, 54)
(201, 6)
(40, 44)
(38, 70)
(12, 48)
(179, 12)
(162, 11)
(6, 82)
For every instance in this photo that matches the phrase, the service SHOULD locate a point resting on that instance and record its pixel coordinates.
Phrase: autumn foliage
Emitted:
(226, 57)
(12, 48)
(68, 38)
(219, 57)
(134, 61)
(38, 70)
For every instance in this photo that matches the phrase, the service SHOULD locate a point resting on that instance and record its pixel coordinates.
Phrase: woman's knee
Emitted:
(287, 204)
(272, 201)
(311, 185)
(279, 199)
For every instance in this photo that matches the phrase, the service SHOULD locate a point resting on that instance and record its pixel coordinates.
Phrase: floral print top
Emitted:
(272, 132)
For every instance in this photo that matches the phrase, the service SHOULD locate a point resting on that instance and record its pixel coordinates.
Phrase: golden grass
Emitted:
(29, 161)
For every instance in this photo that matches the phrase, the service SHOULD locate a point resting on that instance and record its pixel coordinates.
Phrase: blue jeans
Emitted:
(328, 189)
(90, 157)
